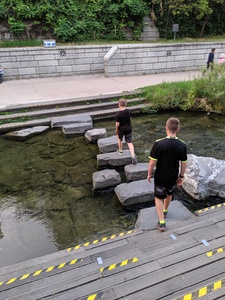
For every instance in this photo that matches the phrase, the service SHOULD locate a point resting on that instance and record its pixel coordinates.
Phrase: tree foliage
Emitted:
(80, 20)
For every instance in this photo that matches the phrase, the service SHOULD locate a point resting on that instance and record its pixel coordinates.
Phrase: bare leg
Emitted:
(120, 144)
(131, 148)
(167, 202)
(159, 203)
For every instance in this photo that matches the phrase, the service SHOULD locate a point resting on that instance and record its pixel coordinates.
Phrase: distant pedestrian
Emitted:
(169, 155)
(210, 60)
(124, 129)
(222, 59)
(1, 74)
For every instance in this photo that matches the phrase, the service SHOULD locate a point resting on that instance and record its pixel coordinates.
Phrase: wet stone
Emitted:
(105, 179)
(113, 159)
(136, 172)
(75, 129)
(58, 122)
(136, 192)
(24, 134)
(94, 135)
(110, 144)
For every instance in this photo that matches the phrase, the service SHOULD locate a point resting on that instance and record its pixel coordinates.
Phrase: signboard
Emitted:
(49, 43)
(175, 27)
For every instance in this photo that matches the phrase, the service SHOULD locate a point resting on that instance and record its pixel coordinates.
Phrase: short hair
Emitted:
(173, 124)
(213, 49)
(122, 102)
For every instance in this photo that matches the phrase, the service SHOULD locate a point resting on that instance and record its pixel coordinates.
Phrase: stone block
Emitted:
(75, 129)
(25, 134)
(58, 122)
(135, 192)
(110, 144)
(136, 172)
(105, 179)
(95, 134)
(113, 159)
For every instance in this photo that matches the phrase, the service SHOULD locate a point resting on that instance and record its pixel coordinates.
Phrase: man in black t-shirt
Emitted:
(168, 155)
(123, 128)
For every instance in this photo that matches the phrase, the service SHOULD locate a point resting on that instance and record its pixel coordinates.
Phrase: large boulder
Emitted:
(204, 177)
(135, 192)
(147, 217)
(105, 179)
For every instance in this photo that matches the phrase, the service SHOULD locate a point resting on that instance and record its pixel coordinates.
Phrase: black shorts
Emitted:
(128, 136)
(161, 192)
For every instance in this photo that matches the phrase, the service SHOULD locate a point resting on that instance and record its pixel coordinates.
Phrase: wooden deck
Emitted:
(186, 263)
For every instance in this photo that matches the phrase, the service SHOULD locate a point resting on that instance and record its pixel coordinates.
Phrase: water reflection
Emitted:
(46, 185)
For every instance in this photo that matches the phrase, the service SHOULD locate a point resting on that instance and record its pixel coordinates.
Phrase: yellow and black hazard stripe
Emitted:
(203, 291)
(39, 272)
(104, 239)
(215, 251)
(200, 211)
(120, 264)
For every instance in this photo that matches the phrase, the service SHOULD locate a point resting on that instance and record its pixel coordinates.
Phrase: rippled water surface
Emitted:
(46, 198)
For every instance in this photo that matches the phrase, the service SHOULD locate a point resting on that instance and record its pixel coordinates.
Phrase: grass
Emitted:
(36, 43)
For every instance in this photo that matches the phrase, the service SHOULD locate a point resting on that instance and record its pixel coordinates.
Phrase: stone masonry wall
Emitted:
(113, 60)
(142, 59)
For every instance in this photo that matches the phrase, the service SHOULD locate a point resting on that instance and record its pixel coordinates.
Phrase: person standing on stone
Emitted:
(211, 58)
(169, 156)
(124, 129)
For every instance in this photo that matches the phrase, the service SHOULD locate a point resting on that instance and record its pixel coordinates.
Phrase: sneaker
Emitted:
(161, 227)
(165, 213)
(120, 152)
(134, 160)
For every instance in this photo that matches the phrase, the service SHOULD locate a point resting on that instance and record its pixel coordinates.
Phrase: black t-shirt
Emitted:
(168, 152)
(123, 117)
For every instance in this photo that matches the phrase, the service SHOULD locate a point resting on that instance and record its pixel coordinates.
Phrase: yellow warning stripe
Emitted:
(211, 208)
(215, 251)
(96, 296)
(203, 291)
(38, 272)
(101, 240)
(121, 264)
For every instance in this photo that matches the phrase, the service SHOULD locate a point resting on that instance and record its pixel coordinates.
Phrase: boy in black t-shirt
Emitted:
(123, 128)
(168, 155)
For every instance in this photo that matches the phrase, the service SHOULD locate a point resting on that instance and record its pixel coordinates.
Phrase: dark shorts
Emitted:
(161, 192)
(128, 137)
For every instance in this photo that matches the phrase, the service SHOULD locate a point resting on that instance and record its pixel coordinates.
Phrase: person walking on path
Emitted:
(124, 128)
(222, 59)
(210, 60)
(1, 74)
(168, 155)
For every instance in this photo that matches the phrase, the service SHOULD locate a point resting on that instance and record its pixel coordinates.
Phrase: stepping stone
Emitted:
(58, 122)
(135, 192)
(25, 134)
(148, 219)
(110, 144)
(105, 179)
(75, 129)
(113, 159)
(136, 172)
(94, 135)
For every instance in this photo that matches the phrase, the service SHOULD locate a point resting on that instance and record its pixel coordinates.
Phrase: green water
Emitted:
(46, 198)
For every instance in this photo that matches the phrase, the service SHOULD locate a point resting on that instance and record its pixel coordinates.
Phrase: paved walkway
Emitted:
(27, 91)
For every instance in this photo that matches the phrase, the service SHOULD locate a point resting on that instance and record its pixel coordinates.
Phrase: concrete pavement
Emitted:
(29, 91)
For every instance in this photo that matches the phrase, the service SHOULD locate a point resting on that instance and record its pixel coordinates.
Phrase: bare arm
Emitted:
(117, 126)
(151, 167)
(183, 166)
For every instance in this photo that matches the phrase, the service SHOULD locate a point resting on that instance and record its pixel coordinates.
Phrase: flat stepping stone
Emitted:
(58, 122)
(25, 134)
(105, 179)
(110, 144)
(75, 129)
(113, 159)
(94, 135)
(148, 218)
(136, 172)
(135, 192)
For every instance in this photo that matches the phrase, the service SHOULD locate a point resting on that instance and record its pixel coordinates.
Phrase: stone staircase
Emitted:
(40, 114)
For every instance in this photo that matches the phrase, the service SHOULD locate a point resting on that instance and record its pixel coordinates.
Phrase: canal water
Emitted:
(46, 198)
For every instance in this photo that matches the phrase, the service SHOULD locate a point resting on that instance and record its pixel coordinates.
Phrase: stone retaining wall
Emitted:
(113, 60)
